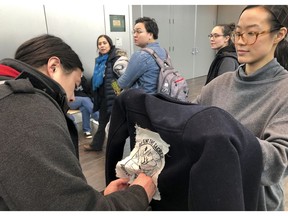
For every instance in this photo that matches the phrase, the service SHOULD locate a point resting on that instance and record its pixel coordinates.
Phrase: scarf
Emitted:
(99, 69)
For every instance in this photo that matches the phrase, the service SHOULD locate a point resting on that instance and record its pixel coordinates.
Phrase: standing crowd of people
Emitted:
(247, 82)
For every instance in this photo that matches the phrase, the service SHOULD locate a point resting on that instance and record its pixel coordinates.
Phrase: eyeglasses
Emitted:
(138, 31)
(214, 36)
(248, 38)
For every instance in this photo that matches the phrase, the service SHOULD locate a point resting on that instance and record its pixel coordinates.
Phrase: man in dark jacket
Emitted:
(39, 165)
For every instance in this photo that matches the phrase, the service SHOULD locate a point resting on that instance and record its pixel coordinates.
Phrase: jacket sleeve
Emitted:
(120, 65)
(39, 169)
(118, 133)
(274, 144)
(135, 69)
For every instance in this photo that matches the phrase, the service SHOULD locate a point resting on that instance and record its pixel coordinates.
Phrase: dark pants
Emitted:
(99, 137)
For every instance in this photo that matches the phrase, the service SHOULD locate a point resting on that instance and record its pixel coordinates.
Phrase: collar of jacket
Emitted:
(39, 81)
(230, 49)
(112, 53)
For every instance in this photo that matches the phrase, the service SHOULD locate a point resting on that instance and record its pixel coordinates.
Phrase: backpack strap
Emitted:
(159, 61)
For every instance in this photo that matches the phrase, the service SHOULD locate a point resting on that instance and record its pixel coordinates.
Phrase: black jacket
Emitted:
(224, 53)
(84, 89)
(213, 162)
(105, 92)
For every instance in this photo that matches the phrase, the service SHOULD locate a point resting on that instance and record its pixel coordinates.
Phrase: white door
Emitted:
(176, 31)
(204, 55)
(163, 20)
(182, 34)
(183, 31)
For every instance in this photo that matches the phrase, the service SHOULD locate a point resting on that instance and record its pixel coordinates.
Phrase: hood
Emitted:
(38, 80)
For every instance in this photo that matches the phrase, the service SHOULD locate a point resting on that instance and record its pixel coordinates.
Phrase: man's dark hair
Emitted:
(37, 51)
(150, 25)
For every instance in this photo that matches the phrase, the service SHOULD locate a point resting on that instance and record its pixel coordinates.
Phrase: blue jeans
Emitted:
(85, 105)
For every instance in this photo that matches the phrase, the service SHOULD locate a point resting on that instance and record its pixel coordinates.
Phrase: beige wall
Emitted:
(79, 25)
(229, 13)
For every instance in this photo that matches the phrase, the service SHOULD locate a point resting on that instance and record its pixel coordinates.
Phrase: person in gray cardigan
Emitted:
(39, 165)
(256, 94)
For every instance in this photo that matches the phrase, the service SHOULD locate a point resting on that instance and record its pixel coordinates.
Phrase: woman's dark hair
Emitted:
(227, 30)
(37, 51)
(150, 25)
(107, 38)
(278, 16)
(281, 53)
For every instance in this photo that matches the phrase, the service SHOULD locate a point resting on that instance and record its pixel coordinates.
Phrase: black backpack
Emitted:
(170, 81)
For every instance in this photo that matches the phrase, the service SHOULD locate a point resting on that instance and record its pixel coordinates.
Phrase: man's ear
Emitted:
(53, 65)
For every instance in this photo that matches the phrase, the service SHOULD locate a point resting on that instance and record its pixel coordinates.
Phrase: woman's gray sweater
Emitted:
(260, 102)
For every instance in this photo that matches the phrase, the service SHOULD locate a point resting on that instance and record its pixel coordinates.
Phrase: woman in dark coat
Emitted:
(103, 92)
(226, 56)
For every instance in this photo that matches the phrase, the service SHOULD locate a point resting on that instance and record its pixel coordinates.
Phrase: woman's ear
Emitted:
(227, 38)
(52, 65)
(281, 35)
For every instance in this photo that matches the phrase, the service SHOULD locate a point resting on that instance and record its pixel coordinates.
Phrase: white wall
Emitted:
(18, 23)
(79, 24)
(121, 39)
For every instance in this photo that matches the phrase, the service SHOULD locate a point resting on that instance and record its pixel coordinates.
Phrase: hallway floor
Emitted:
(93, 162)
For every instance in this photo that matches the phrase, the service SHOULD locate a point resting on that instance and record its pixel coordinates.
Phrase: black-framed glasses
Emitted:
(248, 38)
(214, 36)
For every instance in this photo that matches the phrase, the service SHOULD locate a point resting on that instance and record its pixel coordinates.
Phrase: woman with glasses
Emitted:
(256, 94)
(142, 71)
(226, 56)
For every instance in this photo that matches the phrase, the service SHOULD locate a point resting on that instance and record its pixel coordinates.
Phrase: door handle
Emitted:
(194, 51)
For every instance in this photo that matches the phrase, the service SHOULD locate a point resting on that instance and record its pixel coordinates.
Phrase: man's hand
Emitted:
(147, 183)
(116, 185)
